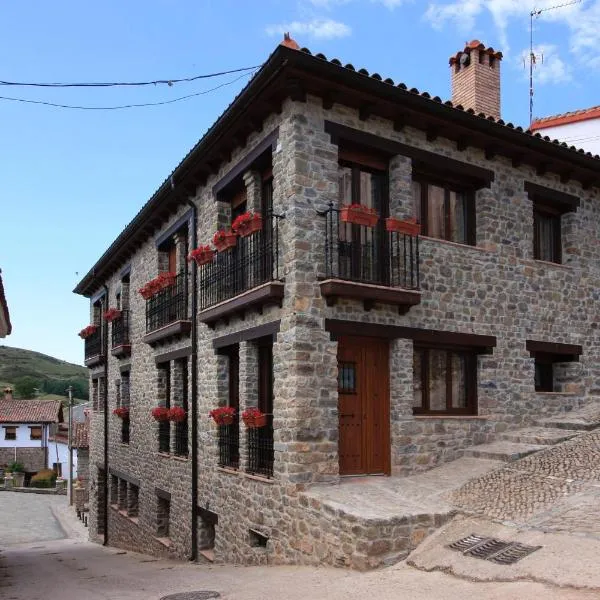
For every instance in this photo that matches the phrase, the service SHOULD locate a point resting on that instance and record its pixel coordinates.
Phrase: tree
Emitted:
(25, 387)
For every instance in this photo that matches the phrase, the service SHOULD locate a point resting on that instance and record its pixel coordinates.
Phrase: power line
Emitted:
(56, 105)
(168, 82)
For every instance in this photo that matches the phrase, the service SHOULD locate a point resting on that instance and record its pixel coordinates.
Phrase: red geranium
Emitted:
(253, 417)
(111, 314)
(247, 223)
(160, 413)
(177, 414)
(88, 331)
(223, 415)
(122, 412)
(201, 254)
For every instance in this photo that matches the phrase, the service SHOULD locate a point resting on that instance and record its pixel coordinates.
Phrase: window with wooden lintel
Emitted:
(10, 433)
(444, 207)
(35, 432)
(547, 355)
(548, 207)
(444, 381)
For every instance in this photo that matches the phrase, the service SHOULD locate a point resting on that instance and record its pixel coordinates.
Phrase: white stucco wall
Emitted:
(62, 451)
(583, 134)
(23, 437)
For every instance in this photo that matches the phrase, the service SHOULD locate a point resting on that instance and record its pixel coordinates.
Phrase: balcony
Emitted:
(370, 264)
(94, 351)
(121, 346)
(260, 450)
(242, 278)
(167, 312)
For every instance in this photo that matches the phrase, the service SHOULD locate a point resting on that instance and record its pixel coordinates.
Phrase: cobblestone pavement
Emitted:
(557, 489)
(29, 517)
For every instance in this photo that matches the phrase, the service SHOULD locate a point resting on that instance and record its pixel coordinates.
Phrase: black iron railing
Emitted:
(260, 450)
(125, 430)
(181, 438)
(120, 330)
(164, 436)
(370, 254)
(93, 344)
(252, 262)
(167, 306)
(229, 445)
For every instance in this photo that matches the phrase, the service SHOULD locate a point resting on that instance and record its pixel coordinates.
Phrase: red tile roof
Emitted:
(4, 306)
(30, 411)
(81, 434)
(569, 117)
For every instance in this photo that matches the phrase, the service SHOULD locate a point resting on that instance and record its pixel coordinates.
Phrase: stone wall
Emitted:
(33, 459)
(493, 288)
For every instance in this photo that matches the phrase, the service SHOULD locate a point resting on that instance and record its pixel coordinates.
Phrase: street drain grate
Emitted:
(487, 548)
(200, 595)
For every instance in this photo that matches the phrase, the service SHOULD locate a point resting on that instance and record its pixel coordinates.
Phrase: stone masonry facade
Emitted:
(492, 288)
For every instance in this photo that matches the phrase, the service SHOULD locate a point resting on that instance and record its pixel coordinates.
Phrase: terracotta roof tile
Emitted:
(81, 434)
(4, 306)
(30, 411)
(568, 117)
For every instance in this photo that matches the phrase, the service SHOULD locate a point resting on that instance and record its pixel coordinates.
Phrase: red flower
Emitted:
(247, 223)
(122, 412)
(201, 254)
(177, 414)
(88, 331)
(223, 415)
(111, 314)
(253, 417)
(157, 284)
(160, 413)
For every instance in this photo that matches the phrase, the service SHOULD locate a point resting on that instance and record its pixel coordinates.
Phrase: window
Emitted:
(546, 234)
(164, 427)
(544, 376)
(35, 432)
(10, 433)
(114, 490)
(229, 435)
(163, 515)
(444, 381)
(124, 402)
(546, 357)
(181, 395)
(445, 210)
(347, 378)
(57, 468)
(122, 494)
(133, 495)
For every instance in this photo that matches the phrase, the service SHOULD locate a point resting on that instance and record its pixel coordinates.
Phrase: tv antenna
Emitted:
(535, 13)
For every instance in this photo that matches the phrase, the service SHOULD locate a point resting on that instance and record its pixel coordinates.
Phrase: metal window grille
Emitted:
(120, 330)
(93, 344)
(370, 254)
(252, 262)
(164, 436)
(229, 444)
(125, 391)
(168, 306)
(260, 450)
(181, 438)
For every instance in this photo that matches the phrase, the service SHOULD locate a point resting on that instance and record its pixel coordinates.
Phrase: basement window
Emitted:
(258, 539)
(546, 356)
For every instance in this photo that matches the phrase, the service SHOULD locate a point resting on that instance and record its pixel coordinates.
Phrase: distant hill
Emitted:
(52, 376)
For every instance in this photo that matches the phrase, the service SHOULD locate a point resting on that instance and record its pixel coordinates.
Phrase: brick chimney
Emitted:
(8, 393)
(476, 78)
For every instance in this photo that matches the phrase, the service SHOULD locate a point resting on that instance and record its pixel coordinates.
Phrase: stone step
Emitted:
(539, 435)
(503, 450)
(581, 419)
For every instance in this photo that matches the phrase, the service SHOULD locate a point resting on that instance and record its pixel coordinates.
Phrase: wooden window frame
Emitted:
(547, 212)
(13, 430)
(470, 355)
(38, 427)
(425, 180)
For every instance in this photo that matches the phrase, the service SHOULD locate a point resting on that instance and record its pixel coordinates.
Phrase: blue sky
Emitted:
(71, 180)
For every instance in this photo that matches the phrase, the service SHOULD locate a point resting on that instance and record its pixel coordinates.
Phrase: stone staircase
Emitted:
(513, 445)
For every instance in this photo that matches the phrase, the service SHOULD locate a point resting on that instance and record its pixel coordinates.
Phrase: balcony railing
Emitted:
(252, 263)
(361, 261)
(120, 330)
(93, 350)
(229, 445)
(167, 306)
(260, 450)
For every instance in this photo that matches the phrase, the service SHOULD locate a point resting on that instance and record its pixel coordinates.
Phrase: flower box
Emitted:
(224, 239)
(223, 415)
(160, 413)
(88, 331)
(246, 224)
(406, 226)
(122, 412)
(202, 255)
(162, 281)
(253, 418)
(111, 314)
(357, 214)
(177, 414)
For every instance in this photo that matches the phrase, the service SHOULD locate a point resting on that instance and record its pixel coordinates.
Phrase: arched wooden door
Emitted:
(363, 406)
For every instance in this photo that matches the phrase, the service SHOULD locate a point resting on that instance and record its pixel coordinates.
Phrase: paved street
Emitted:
(50, 568)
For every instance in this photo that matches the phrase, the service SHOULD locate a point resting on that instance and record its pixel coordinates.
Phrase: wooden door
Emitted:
(363, 406)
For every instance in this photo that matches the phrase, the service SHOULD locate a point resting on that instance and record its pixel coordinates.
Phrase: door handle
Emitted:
(348, 415)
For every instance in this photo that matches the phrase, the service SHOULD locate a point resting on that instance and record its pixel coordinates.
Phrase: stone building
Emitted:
(5, 325)
(372, 350)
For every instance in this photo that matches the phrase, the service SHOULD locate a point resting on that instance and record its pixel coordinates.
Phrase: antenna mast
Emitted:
(536, 12)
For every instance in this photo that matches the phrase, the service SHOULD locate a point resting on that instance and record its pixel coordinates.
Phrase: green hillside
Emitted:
(50, 375)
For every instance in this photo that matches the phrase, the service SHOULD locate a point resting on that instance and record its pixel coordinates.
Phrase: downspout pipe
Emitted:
(104, 330)
(194, 378)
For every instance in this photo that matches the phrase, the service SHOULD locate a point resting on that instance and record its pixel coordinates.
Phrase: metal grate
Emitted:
(229, 444)
(487, 548)
(120, 330)
(168, 306)
(93, 344)
(260, 450)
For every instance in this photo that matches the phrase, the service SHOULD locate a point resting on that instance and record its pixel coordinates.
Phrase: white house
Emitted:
(25, 431)
(580, 128)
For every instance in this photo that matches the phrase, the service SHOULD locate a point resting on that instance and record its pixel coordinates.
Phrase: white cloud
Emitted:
(323, 29)
(329, 4)
(582, 21)
(548, 66)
